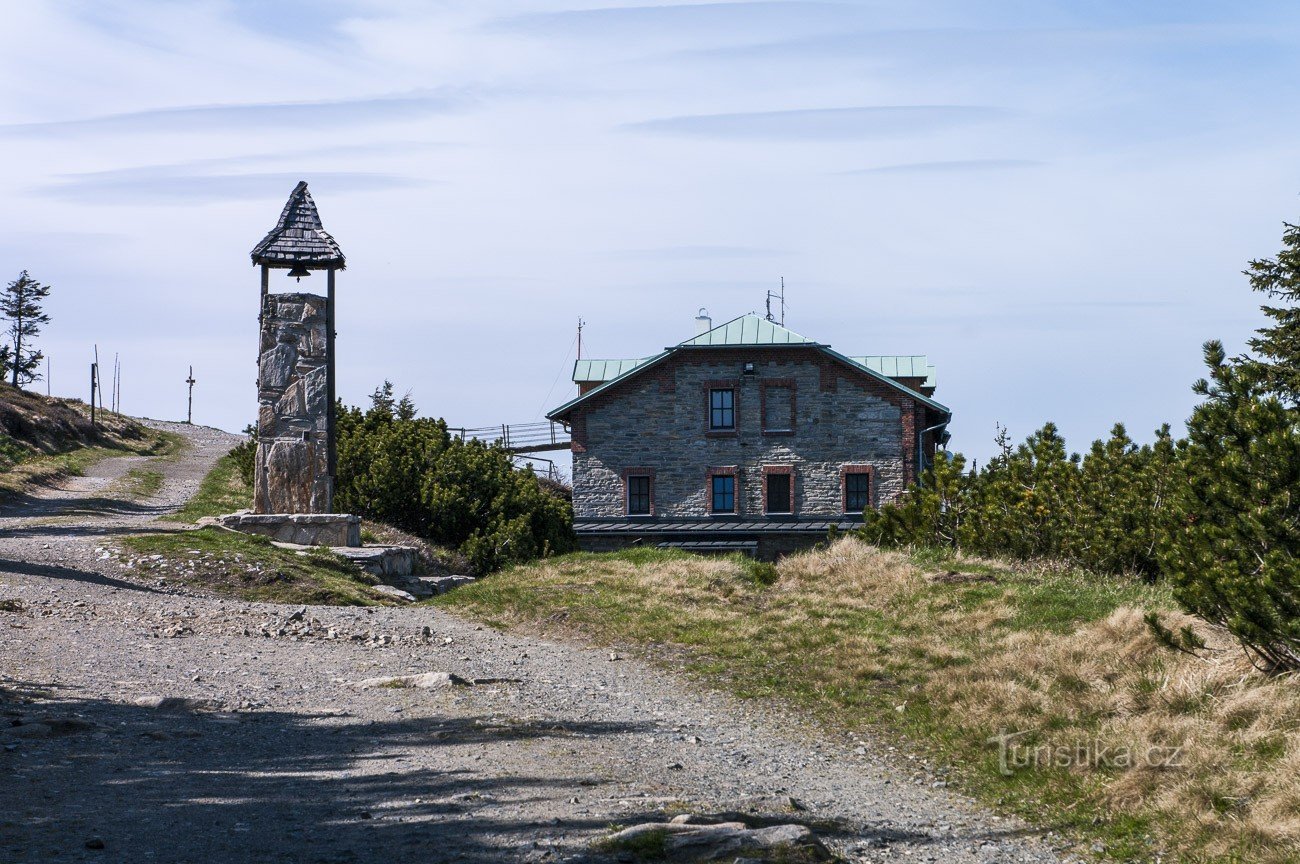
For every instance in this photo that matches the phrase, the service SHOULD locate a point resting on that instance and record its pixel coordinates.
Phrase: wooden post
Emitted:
(331, 452)
(261, 316)
(189, 406)
(92, 394)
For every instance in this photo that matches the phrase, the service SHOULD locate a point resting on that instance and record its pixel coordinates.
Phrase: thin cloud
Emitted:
(340, 113)
(165, 184)
(955, 166)
(823, 123)
(1118, 304)
(698, 253)
(635, 19)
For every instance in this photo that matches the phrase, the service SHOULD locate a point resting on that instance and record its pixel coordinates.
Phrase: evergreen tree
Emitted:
(1277, 347)
(409, 472)
(1108, 511)
(934, 513)
(381, 399)
(1235, 559)
(1124, 506)
(20, 303)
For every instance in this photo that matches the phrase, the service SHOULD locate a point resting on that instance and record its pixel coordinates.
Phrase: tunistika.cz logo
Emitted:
(1015, 755)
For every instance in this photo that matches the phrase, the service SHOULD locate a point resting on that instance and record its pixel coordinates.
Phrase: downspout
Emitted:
(920, 449)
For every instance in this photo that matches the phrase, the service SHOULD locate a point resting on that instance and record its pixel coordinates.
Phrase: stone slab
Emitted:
(382, 561)
(443, 584)
(303, 529)
(396, 593)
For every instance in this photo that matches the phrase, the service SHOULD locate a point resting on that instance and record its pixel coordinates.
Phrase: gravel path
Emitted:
(161, 725)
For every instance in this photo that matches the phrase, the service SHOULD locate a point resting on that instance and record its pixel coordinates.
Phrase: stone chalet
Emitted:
(747, 437)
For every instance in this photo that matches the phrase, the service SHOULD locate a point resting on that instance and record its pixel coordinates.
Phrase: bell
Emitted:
(299, 271)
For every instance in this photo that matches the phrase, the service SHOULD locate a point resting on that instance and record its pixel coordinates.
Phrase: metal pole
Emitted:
(331, 453)
(189, 406)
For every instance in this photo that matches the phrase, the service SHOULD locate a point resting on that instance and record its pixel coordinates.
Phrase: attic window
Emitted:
(722, 410)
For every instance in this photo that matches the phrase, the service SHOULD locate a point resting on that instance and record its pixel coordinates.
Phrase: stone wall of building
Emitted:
(658, 423)
(292, 469)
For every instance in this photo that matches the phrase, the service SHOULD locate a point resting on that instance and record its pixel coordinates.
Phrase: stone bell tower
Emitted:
(296, 459)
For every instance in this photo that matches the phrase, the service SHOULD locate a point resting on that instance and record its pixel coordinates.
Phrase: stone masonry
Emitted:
(657, 421)
(292, 470)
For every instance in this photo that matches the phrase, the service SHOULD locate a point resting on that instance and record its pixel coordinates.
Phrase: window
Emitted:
(780, 492)
(638, 495)
(722, 409)
(857, 491)
(723, 487)
(778, 406)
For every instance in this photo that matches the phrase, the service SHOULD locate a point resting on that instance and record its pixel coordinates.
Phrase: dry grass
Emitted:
(1232, 734)
(952, 652)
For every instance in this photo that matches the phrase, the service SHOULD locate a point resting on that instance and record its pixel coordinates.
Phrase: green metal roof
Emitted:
(752, 330)
(889, 365)
(900, 366)
(748, 330)
(649, 361)
(603, 370)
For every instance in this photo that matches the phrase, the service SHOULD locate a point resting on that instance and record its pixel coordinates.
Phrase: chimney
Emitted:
(703, 323)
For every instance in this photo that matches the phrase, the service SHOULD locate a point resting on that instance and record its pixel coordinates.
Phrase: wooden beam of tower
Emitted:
(331, 432)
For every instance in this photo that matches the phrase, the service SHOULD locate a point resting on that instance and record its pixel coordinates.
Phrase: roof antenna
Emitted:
(781, 297)
(581, 324)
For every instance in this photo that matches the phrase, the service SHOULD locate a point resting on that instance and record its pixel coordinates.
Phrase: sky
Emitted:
(1052, 200)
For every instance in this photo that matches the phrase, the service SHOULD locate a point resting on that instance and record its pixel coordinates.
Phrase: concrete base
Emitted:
(303, 529)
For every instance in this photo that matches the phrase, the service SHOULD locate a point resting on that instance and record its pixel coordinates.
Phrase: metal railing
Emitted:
(519, 437)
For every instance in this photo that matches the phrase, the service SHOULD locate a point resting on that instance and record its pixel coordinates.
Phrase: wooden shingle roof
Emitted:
(299, 237)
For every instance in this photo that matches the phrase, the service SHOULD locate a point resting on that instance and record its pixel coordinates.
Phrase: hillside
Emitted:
(1130, 750)
(42, 438)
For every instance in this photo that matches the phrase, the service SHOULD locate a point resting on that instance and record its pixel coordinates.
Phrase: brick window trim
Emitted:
(723, 471)
(639, 471)
(768, 471)
(721, 384)
(845, 471)
(763, 387)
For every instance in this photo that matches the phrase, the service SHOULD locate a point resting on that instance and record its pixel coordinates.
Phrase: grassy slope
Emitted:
(243, 565)
(944, 654)
(250, 567)
(42, 439)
